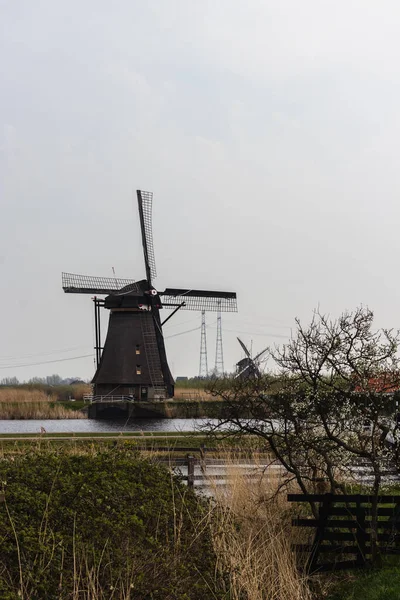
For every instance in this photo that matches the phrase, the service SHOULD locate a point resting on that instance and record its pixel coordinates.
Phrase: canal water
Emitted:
(99, 426)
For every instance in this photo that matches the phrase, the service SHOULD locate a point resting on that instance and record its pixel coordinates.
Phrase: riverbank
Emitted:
(40, 410)
(66, 402)
(40, 406)
(37, 403)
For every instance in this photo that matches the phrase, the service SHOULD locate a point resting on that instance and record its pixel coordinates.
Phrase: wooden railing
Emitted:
(90, 398)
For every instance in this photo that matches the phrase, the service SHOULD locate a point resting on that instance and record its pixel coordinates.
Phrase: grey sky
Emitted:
(268, 132)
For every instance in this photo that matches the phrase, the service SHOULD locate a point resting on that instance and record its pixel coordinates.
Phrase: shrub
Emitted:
(103, 525)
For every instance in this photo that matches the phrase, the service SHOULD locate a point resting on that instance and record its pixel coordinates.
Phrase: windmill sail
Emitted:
(145, 205)
(247, 353)
(199, 300)
(73, 283)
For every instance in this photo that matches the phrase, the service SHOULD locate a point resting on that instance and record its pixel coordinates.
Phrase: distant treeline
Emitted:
(48, 380)
(200, 383)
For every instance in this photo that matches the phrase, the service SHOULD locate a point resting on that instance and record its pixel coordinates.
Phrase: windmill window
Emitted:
(137, 349)
(138, 370)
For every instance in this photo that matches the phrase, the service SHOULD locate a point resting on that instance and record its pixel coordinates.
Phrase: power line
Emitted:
(174, 324)
(46, 362)
(181, 333)
(259, 323)
(166, 337)
(49, 353)
(265, 334)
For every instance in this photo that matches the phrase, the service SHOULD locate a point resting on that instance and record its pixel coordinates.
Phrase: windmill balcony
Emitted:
(89, 398)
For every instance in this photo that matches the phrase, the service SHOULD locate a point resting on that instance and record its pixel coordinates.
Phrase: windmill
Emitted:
(249, 368)
(133, 361)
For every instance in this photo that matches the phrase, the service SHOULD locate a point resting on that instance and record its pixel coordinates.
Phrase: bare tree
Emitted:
(329, 402)
(53, 379)
(9, 381)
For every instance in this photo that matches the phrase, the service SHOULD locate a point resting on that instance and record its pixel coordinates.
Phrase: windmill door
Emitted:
(143, 393)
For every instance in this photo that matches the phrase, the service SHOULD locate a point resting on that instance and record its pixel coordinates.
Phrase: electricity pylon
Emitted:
(203, 369)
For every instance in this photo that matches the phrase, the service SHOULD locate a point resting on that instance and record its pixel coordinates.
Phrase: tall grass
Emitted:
(58, 392)
(23, 396)
(20, 403)
(252, 537)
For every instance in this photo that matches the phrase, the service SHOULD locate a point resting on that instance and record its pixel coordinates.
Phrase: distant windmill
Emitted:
(249, 368)
(133, 361)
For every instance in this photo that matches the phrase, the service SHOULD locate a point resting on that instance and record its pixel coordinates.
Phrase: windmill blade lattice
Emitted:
(199, 300)
(145, 204)
(73, 283)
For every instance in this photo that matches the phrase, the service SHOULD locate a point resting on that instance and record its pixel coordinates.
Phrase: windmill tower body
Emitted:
(133, 363)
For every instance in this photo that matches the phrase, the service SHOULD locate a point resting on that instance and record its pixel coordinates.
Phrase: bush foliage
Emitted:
(103, 525)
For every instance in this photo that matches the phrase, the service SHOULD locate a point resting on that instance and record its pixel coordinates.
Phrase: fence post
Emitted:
(190, 463)
(323, 515)
(203, 463)
(360, 535)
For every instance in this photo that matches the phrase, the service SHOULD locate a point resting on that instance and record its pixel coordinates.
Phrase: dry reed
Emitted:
(195, 394)
(252, 538)
(33, 404)
(21, 395)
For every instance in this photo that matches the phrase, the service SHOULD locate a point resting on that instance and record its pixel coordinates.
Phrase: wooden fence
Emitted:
(203, 471)
(345, 528)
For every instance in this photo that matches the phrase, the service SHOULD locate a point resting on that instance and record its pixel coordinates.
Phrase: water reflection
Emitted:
(101, 426)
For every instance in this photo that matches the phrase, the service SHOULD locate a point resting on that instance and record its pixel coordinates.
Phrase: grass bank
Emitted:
(166, 446)
(377, 584)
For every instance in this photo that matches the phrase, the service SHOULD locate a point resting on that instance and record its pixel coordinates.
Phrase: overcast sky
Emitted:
(269, 133)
